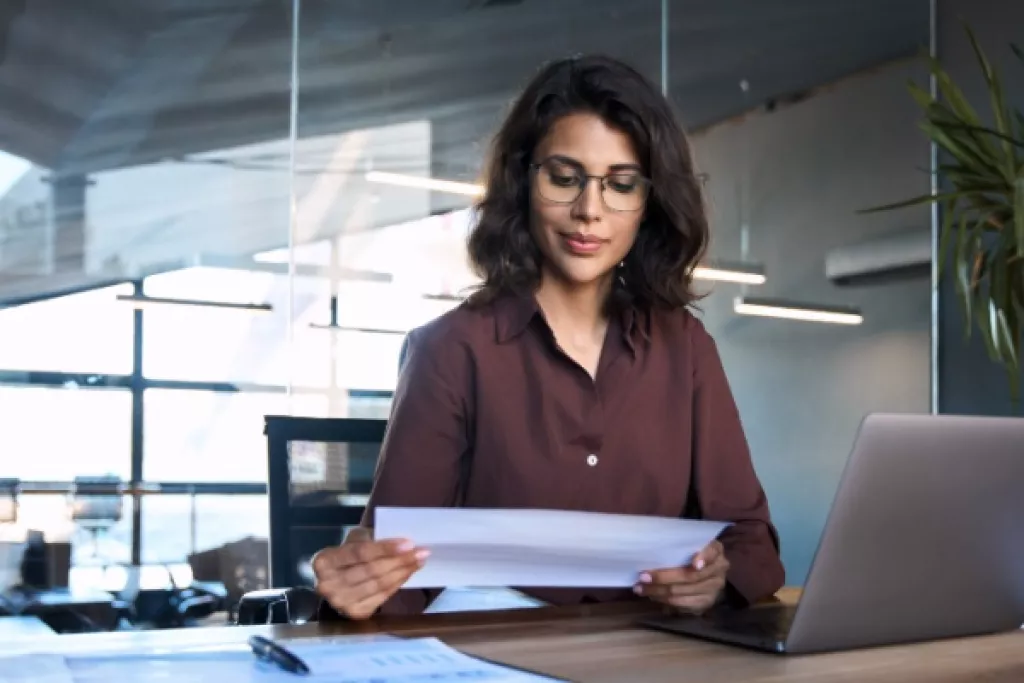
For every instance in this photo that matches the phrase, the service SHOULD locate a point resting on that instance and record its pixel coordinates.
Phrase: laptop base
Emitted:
(759, 628)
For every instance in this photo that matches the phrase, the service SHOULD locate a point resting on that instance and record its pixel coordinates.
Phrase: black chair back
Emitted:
(320, 473)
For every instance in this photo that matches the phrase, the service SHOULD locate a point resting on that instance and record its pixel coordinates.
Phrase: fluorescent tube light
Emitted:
(779, 308)
(444, 297)
(419, 182)
(742, 273)
(140, 302)
(364, 330)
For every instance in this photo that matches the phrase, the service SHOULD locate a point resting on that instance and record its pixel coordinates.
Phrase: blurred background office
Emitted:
(213, 211)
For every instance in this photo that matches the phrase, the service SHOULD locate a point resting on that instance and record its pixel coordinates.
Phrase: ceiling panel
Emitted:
(87, 85)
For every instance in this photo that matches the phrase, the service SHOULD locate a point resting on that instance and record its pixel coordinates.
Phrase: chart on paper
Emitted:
(335, 660)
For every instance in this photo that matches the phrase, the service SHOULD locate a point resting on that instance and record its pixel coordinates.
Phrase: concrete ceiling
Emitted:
(94, 85)
(88, 85)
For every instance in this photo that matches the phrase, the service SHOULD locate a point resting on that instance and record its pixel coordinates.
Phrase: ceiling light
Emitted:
(444, 297)
(143, 301)
(362, 330)
(779, 308)
(400, 179)
(742, 273)
(337, 327)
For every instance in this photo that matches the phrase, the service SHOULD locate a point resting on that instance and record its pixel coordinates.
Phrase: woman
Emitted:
(575, 377)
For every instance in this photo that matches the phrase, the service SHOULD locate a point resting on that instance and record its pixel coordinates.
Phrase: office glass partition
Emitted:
(257, 234)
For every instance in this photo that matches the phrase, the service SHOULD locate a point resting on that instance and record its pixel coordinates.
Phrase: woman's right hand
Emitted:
(358, 576)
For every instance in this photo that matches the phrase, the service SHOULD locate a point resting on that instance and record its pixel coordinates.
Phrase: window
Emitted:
(223, 345)
(54, 434)
(205, 436)
(91, 551)
(368, 361)
(85, 332)
(167, 530)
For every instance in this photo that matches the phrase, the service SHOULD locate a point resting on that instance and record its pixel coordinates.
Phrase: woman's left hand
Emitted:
(693, 588)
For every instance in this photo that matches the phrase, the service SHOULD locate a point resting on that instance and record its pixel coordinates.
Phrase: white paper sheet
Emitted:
(465, 599)
(551, 548)
(337, 660)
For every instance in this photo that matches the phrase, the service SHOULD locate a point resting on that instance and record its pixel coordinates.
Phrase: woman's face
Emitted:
(583, 238)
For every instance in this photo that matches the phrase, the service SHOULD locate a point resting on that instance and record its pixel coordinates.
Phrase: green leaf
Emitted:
(1017, 51)
(951, 93)
(923, 98)
(985, 325)
(945, 235)
(984, 130)
(1004, 337)
(959, 110)
(915, 201)
(963, 147)
(963, 271)
(999, 285)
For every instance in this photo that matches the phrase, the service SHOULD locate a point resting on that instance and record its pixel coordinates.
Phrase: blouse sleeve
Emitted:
(426, 444)
(725, 483)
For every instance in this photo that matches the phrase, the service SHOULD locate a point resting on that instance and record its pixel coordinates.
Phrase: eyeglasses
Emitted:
(561, 183)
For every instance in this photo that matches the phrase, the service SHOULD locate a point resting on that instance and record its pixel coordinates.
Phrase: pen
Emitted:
(268, 650)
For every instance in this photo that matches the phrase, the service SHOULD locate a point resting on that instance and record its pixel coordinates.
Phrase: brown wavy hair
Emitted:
(673, 234)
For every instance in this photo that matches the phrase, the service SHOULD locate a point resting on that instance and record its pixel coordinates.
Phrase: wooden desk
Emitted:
(600, 644)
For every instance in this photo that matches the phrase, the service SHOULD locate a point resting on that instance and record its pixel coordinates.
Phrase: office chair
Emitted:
(320, 472)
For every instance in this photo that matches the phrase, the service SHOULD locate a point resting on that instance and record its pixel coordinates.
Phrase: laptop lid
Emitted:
(925, 538)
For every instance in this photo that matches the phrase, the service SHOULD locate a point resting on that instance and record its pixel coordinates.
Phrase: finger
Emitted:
(688, 574)
(386, 587)
(667, 576)
(358, 582)
(683, 580)
(693, 604)
(716, 567)
(376, 550)
(362, 600)
(711, 585)
(372, 571)
(330, 560)
(679, 574)
(706, 556)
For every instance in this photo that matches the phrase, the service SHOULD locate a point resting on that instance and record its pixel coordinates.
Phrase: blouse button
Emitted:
(591, 459)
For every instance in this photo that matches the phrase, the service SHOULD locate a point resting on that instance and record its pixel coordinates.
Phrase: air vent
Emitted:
(906, 255)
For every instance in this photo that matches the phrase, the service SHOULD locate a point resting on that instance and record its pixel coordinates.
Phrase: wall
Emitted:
(803, 388)
(970, 383)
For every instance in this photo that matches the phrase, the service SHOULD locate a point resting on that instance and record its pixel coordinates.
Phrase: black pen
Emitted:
(268, 650)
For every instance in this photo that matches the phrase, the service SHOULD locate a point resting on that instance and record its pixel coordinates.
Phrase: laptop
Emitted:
(924, 541)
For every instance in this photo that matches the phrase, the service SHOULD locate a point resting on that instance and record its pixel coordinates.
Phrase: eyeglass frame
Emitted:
(585, 179)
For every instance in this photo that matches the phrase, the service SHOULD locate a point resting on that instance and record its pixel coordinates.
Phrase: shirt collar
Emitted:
(514, 313)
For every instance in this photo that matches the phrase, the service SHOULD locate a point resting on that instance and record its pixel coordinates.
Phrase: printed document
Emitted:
(483, 547)
(352, 659)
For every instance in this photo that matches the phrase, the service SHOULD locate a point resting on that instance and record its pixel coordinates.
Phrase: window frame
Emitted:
(137, 488)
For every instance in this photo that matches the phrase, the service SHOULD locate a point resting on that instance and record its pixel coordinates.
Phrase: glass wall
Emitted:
(213, 213)
(143, 167)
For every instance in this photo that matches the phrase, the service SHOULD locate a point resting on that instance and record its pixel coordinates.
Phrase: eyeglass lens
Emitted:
(564, 183)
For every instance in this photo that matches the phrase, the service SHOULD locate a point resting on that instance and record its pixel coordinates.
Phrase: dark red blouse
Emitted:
(489, 412)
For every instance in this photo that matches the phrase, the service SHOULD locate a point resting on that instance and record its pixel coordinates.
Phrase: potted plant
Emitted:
(981, 203)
